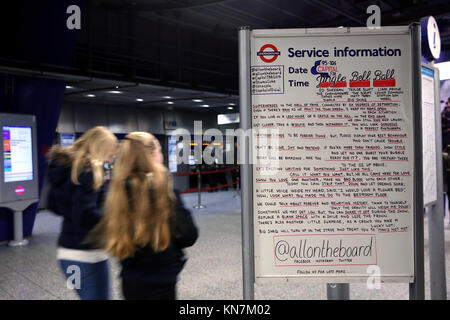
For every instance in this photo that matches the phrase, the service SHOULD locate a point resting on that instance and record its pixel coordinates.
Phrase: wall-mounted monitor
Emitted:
(18, 165)
(172, 152)
(67, 139)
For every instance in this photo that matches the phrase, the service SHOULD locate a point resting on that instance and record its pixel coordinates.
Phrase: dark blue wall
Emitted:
(35, 33)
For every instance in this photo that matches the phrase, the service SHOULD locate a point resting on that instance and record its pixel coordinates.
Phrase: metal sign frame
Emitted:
(416, 288)
(436, 235)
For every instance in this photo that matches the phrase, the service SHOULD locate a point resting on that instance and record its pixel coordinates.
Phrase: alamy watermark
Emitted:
(374, 21)
(74, 278)
(74, 20)
(374, 279)
(236, 146)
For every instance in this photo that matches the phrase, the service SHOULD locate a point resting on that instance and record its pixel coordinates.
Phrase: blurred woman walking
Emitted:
(145, 225)
(77, 192)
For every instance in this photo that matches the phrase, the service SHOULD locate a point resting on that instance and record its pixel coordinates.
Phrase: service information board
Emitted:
(334, 114)
(429, 136)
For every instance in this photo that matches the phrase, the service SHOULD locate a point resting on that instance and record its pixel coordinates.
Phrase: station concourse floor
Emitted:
(213, 270)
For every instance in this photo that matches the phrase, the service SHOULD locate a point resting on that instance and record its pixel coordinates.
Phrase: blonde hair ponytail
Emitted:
(139, 204)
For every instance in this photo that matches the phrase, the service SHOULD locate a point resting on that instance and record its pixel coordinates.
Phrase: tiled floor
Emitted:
(213, 271)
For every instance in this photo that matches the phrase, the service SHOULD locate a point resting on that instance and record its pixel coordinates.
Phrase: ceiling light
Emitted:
(139, 99)
(230, 108)
(205, 105)
(115, 91)
(197, 100)
(90, 95)
(167, 97)
(170, 102)
(232, 104)
(69, 87)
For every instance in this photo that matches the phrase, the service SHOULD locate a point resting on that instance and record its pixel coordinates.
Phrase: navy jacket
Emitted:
(148, 266)
(79, 205)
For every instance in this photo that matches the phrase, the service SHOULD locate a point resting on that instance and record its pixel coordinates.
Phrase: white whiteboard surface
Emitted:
(429, 136)
(335, 201)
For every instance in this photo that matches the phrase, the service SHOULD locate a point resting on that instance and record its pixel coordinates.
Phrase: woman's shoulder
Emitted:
(58, 155)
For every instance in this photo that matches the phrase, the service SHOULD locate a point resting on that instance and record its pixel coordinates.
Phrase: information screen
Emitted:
(18, 154)
(172, 154)
(429, 137)
(67, 139)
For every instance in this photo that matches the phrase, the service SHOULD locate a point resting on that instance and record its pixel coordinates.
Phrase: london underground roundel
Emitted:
(19, 190)
(268, 53)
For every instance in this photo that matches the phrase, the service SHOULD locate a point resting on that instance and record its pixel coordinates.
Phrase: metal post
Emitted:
(199, 192)
(438, 287)
(417, 288)
(238, 191)
(18, 230)
(338, 291)
(246, 179)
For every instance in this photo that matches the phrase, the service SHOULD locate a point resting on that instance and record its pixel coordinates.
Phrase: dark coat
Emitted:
(148, 266)
(78, 204)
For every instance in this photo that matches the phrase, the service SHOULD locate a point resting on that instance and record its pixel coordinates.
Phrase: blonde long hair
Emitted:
(139, 204)
(90, 152)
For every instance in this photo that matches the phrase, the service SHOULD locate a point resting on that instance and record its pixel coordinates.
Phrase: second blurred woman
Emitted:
(76, 176)
(145, 225)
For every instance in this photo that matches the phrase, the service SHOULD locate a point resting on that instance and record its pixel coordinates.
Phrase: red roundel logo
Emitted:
(268, 53)
(19, 190)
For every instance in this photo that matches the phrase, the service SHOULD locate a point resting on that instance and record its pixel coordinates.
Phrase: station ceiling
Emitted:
(115, 92)
(188, 49)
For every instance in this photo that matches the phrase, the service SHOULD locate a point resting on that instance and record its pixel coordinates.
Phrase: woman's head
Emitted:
(95, 147)
(140, 200)
(151, 144)
(140, 152)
